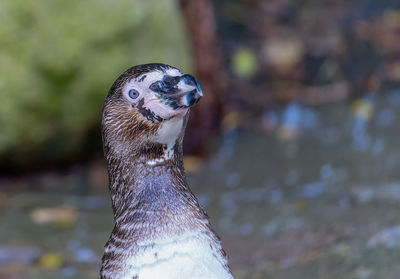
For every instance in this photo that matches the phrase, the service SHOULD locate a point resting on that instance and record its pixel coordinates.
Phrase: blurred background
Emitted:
(293, 151)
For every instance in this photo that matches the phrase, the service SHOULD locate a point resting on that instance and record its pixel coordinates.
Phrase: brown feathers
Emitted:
(150, 196)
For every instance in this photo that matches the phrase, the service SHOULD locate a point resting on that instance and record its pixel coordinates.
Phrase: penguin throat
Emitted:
(167, 135)
(167, 155)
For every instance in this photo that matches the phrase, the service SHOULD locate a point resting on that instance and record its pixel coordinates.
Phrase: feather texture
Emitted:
(160, 229)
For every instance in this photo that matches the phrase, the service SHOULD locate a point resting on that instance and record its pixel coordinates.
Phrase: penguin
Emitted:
(160, 231)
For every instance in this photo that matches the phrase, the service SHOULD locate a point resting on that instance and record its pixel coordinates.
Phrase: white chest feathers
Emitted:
(189, 257)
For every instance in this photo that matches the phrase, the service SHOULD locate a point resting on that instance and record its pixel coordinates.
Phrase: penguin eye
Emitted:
(133, 94)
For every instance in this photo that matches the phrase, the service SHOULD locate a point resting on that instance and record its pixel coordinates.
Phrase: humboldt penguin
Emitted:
(160, 230)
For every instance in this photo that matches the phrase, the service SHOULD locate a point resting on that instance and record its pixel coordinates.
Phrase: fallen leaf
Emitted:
(58, 216)
(51, 261)
(192, 163)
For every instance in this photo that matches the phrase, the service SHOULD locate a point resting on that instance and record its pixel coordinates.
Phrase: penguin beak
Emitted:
(177, 92)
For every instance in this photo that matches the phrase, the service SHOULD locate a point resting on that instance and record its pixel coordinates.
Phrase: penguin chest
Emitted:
(184, 258)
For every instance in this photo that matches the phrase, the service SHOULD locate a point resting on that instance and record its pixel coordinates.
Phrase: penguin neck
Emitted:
(150, 195)
(139, 178)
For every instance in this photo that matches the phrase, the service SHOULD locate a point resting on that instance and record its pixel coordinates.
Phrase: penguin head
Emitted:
(145, 101)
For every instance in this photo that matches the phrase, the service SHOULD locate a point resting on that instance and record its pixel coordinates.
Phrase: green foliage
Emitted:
(244, 63)
(59, 58)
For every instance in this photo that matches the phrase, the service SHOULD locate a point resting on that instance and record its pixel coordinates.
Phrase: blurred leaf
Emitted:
(283, 52)
(362, 109)
(64, 217)
(244, 63)
(232, 121)
(192, 163)
(51, 261)
(287, 133)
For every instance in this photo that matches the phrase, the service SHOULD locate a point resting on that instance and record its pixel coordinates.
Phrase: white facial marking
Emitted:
(152, 77)
(142, 85)
(173, 72)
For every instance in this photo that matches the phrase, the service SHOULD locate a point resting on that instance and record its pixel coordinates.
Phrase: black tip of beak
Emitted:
(178, 92)
(191, 80)
(192, 98)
